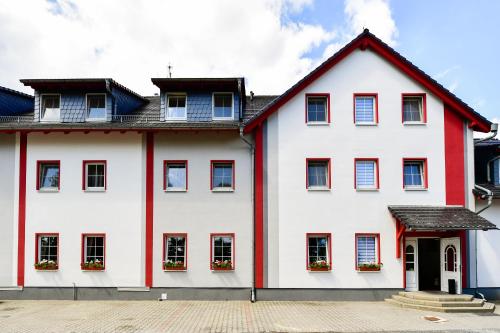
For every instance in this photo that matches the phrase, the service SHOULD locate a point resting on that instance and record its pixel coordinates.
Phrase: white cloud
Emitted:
(134, 40)
(445, 72)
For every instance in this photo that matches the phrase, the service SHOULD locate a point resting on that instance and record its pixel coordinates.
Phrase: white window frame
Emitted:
(421, 163)
(213, 105)
(85, 239)
(374, 111)
(177, 94)
(328, 246)
(212, 175)
(413, 122)
(213, 236)
(376, 248)
(375, 185)
(327, 185)
(41, 188)
(94, 189)
(314, 122)
(42, 113)
(39, 245)
(173, 235)
(105, 107)
(175, 189)
(489, 166)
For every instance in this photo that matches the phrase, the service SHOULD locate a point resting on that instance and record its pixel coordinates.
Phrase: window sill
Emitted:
(413, 123)
(366, 124)
(415, 189)
(175, 120)
(96, 120)
(48, 190)
(183, 269)
(310, 270)
(93, 269)
(318, 189)
(95, 190)
(319, 123)
(368, 271)
(223, 119)
(175, 190)
(369, 189)
(222, 190)
(50, 120)
(222, 270)
(46, 269)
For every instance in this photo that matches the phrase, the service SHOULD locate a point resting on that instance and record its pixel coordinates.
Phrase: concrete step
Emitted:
(436, 296)
(486, 307)
(472, 303)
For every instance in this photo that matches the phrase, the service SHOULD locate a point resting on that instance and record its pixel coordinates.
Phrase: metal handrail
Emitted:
(16, 119)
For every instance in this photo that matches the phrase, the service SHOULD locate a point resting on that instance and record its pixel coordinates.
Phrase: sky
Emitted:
(272, 43)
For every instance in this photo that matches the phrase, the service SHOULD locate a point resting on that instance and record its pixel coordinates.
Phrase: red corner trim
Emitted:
(259, 208)
(454, 158)
(149, 207)
(327, 95)
(21, 227)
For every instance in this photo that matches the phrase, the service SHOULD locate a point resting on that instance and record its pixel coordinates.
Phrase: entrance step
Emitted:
(441, 302)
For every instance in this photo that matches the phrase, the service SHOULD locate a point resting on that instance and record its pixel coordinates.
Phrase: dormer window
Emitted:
(96, 107)
(176, 109)
(51, 110)
(223, 106)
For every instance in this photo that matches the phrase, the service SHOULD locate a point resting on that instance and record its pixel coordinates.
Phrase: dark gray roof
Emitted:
(256, 104)
(487, 143)
(488, 186)
(439, 218)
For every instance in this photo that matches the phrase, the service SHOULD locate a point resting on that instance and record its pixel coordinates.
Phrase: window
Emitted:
(93, 252)
(223, 106)
(365, 109)
(175, 177)
(96, 107)
(410, 258)
(414, 173)
(222, 177)
(175, 252)
(450, 259)
(318, 174)
(222, 251)
(494, 171)
(51, 110)
(318, 252)
(47, 254)
(94, 178)
(317, 108)
(176, 109)
(367, 250)
(366, 174)
(48, 175)
(414, 108)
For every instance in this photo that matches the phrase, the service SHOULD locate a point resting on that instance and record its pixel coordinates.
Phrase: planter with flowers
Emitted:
(171, 265)
(219, 265)
(319, 266)
(92, 265)
(46, 265)
(370, 267)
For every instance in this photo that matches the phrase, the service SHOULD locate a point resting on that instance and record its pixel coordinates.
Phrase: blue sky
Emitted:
(272, 43)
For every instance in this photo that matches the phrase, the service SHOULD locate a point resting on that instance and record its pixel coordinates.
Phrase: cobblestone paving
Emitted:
(231, 316)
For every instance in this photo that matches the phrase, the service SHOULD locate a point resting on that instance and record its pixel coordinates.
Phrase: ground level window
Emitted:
(47, 252)
(318, 252)
(368, 252)
(222, 252)
(93, 256)
(175, 252)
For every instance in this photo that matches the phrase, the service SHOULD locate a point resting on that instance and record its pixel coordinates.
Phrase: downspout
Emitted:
(489, 195)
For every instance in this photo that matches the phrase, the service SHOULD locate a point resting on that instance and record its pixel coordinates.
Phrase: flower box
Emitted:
(171, 265)
(46, 265)
(222, 268)
(225, 265)
(369, 267)
(319, 266)
(319, 269)
(92, 266)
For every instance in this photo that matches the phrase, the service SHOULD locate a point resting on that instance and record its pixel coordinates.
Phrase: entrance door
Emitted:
(429, 269)
(411, 264)
(451, 267)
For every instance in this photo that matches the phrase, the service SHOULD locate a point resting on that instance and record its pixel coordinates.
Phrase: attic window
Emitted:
(96, 107)
(176, 107)
(494, 171)
(223, 106)
(51, 110)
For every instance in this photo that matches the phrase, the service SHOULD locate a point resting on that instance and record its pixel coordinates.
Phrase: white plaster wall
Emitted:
(71, 212)
(7, 194)
(488, 248)
(343, 211)
(199, 211)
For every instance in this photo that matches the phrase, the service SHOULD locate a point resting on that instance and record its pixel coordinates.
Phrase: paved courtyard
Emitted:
(231, 316)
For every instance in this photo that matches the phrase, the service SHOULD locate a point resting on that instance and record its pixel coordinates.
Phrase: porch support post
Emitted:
(400, 229)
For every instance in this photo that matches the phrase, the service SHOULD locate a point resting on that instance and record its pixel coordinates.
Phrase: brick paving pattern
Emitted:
(230, 316)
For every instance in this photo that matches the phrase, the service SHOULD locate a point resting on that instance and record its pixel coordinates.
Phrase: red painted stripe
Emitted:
(149, 207)
(21, 231)
(455, 172)
(259, 208)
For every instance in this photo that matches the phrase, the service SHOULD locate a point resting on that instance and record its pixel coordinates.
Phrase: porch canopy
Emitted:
(439, 218)
(435, 218)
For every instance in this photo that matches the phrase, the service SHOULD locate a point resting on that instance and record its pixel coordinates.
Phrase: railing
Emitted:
(16, 119)
(135, 118)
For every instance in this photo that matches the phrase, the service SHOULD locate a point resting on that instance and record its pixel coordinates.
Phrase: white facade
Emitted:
(343, 211)
(488, 248)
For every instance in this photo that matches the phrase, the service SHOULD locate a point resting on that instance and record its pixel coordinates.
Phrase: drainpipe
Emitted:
(489, 195)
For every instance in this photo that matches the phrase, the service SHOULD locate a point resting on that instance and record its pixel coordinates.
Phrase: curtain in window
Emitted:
(316, 109)
(366, 249)
(365, 174)
(317, 174)
(365, 110)
(176, 176)
(412, 109)
(222, 175)
(413, 174)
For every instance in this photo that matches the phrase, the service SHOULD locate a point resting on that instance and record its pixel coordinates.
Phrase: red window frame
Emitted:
(374, 95)
(377, 168)
(41, 234)
(327, 95)
(424, 162)
(233, 252)
(165, 164)
(328, 235)
(212, 162)
(172, 234)
(84, 173)
(377, 250)
(424, 105)
(39, 164)
(326, 159)
(82, 257)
